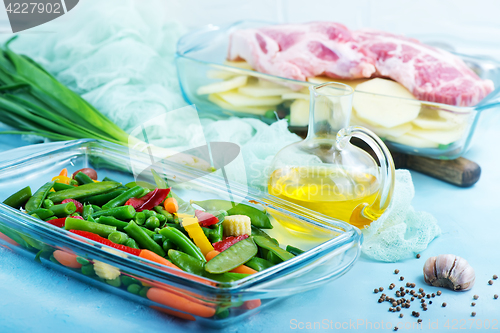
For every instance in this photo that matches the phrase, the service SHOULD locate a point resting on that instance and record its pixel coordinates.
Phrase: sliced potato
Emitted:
(295, 95)
(239, 64)
(218, 87)
(431, 119)
(394, 132)
(299, 113)
(237, 99)
(323, 79)
(219, 74)
(261, 89)
(413, 141)
(260, 111)
(375, 106)
(440, 136)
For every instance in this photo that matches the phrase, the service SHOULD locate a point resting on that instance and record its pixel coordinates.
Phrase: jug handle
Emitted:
(364, 213)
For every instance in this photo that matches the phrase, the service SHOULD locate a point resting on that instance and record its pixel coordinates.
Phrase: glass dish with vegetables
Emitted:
(233, 88)
(170, 241)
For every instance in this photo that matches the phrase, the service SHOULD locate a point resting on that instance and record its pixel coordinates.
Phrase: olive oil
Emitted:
(332, 191)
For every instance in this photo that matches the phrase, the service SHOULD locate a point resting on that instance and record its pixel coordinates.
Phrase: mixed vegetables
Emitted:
(215, 239)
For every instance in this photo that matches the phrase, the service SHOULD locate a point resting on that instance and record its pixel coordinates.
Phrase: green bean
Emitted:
(77, 224)
(222, 313)
(61, 186)
(36, 216)
(83, 179)
(140, 218)
(96, 208)
(258, 232)
(158, 239)
(183, 242)
(63, 210)
(259, 264)
(271, 246)
(107, 179)
(43, 213)
(122, 198)
(134, 289)
(18, 199)
(118, 237)
(47, 203)
(104, 198)
(143, 239)
(36, 200)
(91, 219)
(131, 243)
(120, 225)
(88, 270)
(186, 262)
(273, 258)
(152, 223)
(122, 212)
(234, 256)
(293, 250)
(144, 192)
(87, 211)
(51, 218)
(83, 191)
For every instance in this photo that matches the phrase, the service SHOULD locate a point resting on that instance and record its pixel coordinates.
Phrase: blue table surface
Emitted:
(34, 298)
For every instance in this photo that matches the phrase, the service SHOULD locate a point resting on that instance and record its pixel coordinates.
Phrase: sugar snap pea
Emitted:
(37, 199)
(61, 186)
(18, 199)
(186, 262)
(143, 239)
(83, 179)
(122, 198)
(259, 264)
(272, 257)
(271, 246)
(88, 210)
(234, 256)
(120, 225)
(183, 242)
(83, 191)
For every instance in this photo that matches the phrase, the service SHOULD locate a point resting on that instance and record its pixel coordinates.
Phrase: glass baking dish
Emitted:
(440, 131)
(332, 246)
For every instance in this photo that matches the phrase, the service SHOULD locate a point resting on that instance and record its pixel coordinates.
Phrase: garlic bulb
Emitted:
(449, 271)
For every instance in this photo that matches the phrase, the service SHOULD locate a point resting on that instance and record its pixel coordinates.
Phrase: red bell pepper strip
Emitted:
(107, 242)
(134, 202)
(78, 204)
(228, 242)
(149, 201)
(205, 219)
(60, 222)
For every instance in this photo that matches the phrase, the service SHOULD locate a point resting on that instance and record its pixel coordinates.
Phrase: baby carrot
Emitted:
(64, 172)
(8, 240)
(66, 259)
(252, 304)
(174, 313)
(150, 255)
(171, 205)
(180, 303)
(240, 269)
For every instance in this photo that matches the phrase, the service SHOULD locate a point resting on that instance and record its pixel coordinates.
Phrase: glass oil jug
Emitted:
(325, 172)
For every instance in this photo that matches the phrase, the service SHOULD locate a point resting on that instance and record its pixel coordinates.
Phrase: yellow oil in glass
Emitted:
(332, 191)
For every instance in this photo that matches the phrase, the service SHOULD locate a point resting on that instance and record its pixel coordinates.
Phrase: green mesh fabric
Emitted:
(119, 55)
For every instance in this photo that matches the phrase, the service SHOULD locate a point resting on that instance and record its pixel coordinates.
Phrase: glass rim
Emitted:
(341, 87)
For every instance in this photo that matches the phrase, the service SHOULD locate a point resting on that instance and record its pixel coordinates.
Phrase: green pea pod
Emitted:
(258, 217)
(186, 262)
(60, 186)
(37, 199)
(258, 232)
(122, 198)
(271, 246)
(102, 199)
(183, 242)
(168, 245)
(293, 250)
(88, 210)
(120, 225)
(234, 256)
(226, 277)
(83, 191)
(272, 257)
(83, 179)
(259, 264)
(18, 199)
(145, 185)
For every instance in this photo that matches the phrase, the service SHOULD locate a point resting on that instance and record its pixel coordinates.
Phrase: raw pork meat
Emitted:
(430, 74)
(302, 50)
(324, 48)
